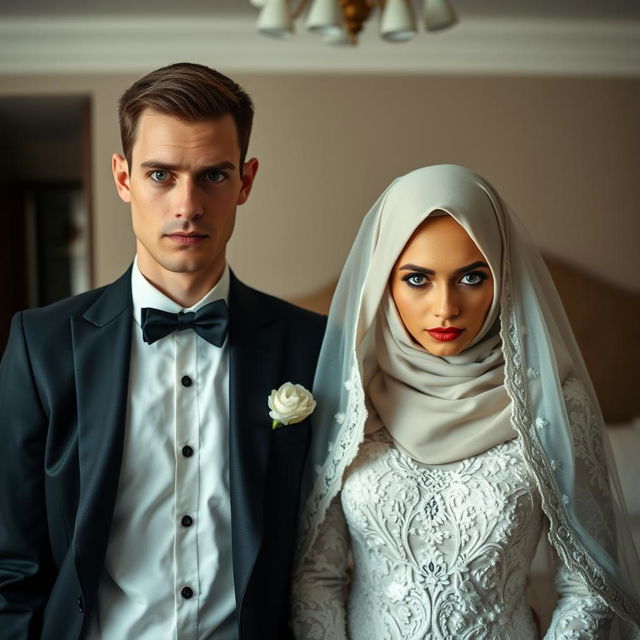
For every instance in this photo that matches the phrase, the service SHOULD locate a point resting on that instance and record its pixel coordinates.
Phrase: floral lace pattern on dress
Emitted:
(439, 552)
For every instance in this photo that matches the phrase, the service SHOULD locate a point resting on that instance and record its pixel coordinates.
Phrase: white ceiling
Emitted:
(570, 37)
(577, 9)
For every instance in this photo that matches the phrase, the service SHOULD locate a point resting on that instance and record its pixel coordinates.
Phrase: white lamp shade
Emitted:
(337, 38)
(397, 23)
(275, 19)
(439, 14)
(325, 17)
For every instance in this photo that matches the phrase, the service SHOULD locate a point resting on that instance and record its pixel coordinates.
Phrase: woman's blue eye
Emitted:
(415, 279)
(159, 175)
(473, 278)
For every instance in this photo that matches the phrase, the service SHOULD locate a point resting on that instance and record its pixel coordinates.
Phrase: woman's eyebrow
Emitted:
(472, 266)
(431, 272)
(417, 269)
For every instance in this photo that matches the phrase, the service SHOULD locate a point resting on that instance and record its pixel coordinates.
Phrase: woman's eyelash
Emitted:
(417, 279)
(481, 276)
(409, 279)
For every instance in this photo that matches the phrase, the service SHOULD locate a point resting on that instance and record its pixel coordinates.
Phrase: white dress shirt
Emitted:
(168, 571)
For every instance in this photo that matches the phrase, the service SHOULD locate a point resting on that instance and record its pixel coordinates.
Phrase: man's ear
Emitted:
(120, 168)
(249, 170)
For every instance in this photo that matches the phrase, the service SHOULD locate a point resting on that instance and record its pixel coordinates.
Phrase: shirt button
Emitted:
(80, 603)
(187, 451)
(187, 521)
(186, 381)
(186, 593)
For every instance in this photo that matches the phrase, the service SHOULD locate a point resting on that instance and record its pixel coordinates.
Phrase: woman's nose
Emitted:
(445, 305)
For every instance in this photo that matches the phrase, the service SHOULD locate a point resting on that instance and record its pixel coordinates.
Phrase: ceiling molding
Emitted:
(487, 46)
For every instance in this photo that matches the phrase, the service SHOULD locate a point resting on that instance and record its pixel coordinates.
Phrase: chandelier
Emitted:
(340, 21)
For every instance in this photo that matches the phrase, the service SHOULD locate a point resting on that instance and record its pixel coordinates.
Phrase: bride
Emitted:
(455, 422)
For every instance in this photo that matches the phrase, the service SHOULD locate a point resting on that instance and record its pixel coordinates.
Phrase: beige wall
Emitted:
(563, 151)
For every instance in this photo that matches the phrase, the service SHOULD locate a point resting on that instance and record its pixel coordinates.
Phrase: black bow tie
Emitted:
(210, 322)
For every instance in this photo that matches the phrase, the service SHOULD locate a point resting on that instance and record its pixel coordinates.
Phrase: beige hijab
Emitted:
(443, 409)
(439, 409)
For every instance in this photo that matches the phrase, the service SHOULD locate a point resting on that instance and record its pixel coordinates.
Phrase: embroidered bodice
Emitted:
(439, 552)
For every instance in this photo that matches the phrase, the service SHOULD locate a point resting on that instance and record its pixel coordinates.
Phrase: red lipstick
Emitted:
(445, 334)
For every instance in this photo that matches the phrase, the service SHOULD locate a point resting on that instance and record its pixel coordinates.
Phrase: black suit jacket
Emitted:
(63, 397)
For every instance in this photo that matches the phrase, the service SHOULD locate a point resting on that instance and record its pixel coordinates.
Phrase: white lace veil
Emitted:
(571, 462)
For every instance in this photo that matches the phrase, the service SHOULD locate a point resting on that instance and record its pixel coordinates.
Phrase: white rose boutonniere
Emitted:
(289, 404)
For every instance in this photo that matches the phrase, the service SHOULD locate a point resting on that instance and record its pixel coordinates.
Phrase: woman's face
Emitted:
(442, 287)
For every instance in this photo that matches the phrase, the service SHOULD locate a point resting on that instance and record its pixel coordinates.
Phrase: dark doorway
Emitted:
(44, 201)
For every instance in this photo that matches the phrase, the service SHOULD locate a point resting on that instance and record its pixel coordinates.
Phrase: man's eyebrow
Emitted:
(167, 166)
(430, 272)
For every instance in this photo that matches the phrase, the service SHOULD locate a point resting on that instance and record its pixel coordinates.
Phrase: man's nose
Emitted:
(189, 204)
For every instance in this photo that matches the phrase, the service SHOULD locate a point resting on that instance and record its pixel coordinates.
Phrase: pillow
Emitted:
(625, 442)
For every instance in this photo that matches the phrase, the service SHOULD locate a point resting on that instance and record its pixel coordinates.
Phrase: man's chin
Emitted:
(191, 264)
(185, 267)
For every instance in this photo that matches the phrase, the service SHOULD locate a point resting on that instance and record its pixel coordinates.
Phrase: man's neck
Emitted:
(184, 289)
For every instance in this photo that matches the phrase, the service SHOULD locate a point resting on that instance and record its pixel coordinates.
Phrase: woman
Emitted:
(459, 420)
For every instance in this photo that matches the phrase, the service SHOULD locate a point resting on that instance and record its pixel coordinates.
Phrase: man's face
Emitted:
(184, 185)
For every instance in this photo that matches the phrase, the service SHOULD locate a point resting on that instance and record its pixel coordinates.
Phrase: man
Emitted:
(144, 493)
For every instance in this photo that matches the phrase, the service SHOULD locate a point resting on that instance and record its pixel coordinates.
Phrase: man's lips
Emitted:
(186, 238)
(445, 334)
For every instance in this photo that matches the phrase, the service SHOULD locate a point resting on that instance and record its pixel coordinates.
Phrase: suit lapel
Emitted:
(255, 358)
(101, 348)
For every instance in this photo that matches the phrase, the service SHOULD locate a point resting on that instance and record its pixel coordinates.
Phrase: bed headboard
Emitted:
(606, 322)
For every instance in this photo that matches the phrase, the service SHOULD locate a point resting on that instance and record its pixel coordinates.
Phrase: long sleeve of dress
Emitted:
(578, 614)
(319, 586)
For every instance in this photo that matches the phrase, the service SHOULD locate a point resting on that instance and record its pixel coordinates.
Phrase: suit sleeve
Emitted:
(25, 558)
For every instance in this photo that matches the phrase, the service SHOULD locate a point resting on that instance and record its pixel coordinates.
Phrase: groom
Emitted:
(143, 492)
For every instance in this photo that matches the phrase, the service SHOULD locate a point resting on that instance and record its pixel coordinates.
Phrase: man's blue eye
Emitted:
(159, 175)
(215, 176)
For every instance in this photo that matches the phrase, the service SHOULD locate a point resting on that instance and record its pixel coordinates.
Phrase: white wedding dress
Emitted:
(439, 552)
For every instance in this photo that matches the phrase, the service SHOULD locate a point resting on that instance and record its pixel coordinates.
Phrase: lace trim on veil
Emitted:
(561, 534)
(341, 455)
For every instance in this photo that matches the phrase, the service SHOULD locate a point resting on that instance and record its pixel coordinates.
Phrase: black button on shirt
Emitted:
(186, 593)
(187, 521)
(187, 451)
(186, 381)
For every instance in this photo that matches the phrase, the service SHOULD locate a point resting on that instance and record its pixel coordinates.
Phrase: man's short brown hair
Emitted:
(188, 91)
